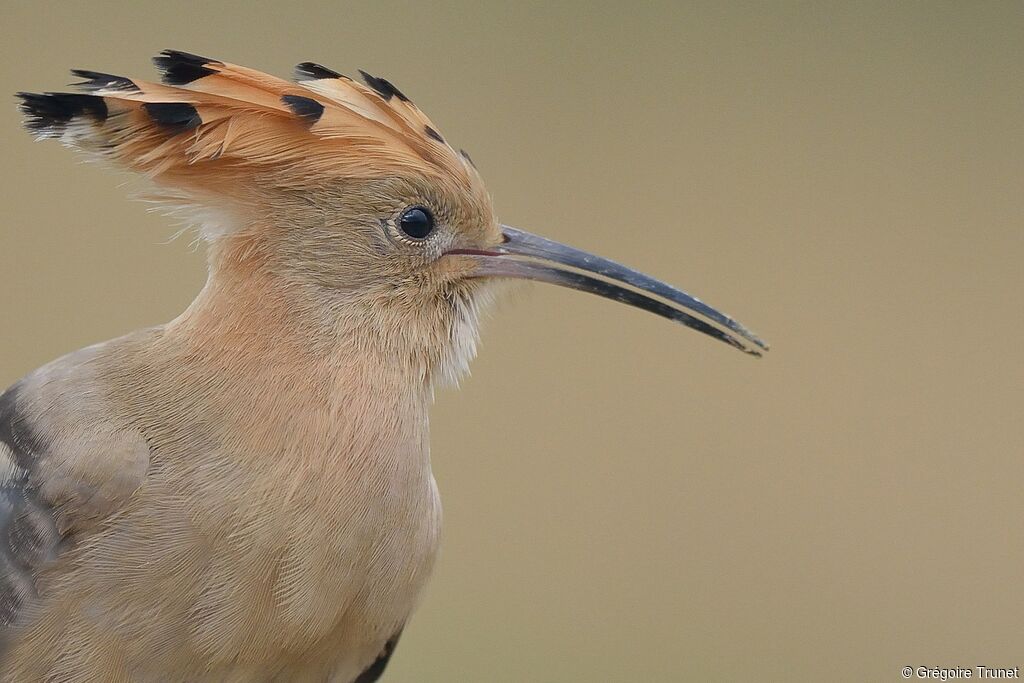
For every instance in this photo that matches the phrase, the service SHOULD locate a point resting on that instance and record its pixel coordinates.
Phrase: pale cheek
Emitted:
(464, 332)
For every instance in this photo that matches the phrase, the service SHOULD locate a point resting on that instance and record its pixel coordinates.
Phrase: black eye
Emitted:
(416, 222)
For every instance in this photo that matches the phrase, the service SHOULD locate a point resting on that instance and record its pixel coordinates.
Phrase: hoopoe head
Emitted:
(346, 190)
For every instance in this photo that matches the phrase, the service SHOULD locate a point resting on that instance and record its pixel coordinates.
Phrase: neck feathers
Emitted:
(251, 315)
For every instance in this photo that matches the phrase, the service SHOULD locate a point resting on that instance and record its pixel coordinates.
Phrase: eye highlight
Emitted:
(416, 222)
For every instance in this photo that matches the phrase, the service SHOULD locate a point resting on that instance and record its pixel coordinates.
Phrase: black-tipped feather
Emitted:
(177, 117)
(181, 68)
(383, 87)
(96, 80)
(431, 133)
(312, 70)
(308, 109)
(53, 110)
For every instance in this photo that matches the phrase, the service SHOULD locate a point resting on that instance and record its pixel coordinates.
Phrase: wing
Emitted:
(373, 672)
(64, 469)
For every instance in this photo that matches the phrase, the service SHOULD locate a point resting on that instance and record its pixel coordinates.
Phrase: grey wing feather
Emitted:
(28, 531)
(59, 476)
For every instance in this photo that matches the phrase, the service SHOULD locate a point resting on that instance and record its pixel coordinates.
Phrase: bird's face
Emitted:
(385, 239)
(426, 249)
(375, 253)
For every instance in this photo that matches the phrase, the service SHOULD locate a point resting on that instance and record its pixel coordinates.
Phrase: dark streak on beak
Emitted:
(530, 257)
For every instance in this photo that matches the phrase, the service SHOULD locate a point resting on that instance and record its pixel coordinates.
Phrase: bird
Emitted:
(245, 492)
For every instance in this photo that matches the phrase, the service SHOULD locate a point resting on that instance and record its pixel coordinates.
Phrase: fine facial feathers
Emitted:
(245, 493)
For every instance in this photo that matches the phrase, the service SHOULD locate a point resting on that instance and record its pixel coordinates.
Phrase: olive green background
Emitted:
(627, 500)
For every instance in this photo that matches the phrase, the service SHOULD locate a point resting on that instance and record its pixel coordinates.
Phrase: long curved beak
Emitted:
(531, 257)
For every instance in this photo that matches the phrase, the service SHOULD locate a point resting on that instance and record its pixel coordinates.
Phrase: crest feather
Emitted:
(217, 128)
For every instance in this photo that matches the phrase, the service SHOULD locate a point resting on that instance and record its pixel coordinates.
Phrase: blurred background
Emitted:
(626, 500)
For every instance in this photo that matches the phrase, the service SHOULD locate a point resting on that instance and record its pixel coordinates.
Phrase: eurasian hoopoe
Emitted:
(245, 493)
